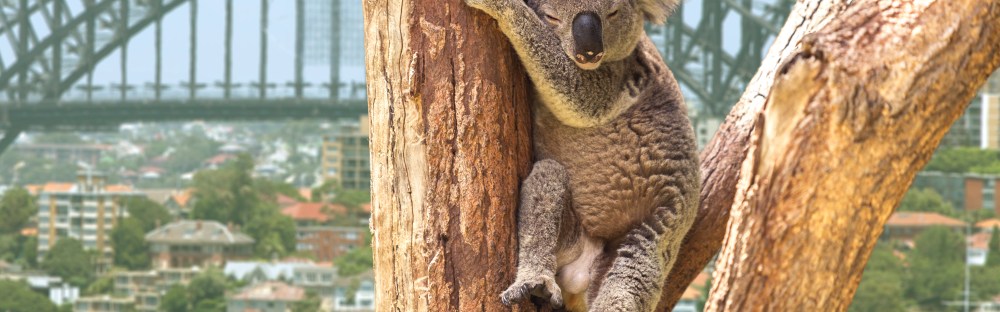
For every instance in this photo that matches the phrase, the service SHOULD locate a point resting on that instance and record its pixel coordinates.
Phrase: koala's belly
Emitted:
(619, 173)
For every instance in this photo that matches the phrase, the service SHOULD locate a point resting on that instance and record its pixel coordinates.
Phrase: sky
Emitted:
(246, 48)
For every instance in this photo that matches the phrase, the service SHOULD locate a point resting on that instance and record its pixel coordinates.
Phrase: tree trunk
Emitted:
(450, 126)
(848, 105)
(863, 95)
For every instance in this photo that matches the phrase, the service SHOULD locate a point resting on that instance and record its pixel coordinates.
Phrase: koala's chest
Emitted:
(618, 172)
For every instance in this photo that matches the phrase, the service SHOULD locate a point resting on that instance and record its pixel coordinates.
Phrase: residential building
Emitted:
(104, 303)
(979, 126)
(326, 243)
(990, 115)
(964, 191)
(259, 271)
(907, 225)
(346, 158)
(313, 214)
(53, 287)
(987, 225)
(148, 287)
(978, 248)
(321, 280)
(265, 297)
(179, 203)
(86, 210)
(364, 297)
(199, 243)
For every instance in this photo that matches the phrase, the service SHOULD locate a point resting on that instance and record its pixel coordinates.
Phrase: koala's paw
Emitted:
(539, 286)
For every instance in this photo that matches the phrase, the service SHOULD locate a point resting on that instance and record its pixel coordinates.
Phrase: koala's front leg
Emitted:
(538, 46)
(544, 196)
(635, 280)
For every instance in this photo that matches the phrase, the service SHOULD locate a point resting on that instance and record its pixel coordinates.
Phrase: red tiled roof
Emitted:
(271, 291)
(29, 231)
(182, 198)
(219, 159)
(366, 207)
(313, 211)
(980, 240)
(117, 188)
(988, 224)
(921, 219)
(57, 187)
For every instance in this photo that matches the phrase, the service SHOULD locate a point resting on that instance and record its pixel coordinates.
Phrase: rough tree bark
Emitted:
(847, 106)
(450, 143)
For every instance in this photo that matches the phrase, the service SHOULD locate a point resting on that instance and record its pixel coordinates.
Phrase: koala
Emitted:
(615, 185)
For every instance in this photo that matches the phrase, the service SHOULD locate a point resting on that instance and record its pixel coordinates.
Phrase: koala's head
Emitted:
(595, 31)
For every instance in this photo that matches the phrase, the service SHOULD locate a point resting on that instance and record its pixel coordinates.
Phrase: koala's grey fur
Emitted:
(615, 187)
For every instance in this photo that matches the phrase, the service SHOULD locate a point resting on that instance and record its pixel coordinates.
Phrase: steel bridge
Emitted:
(47, 64)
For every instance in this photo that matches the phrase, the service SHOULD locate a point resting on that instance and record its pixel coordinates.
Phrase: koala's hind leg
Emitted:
(635, 279)
(544, 199)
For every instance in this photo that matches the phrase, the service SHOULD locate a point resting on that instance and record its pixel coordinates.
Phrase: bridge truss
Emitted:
(53, 47)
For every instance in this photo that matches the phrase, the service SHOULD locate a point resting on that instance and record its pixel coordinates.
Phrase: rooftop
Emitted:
(270, 291)
(988, 224)
(200, 231)
(312, 211)
(921, 219)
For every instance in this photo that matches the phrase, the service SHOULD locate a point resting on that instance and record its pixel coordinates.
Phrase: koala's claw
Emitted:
(539, 286)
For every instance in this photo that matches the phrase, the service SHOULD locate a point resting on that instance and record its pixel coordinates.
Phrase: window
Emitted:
(351, 235)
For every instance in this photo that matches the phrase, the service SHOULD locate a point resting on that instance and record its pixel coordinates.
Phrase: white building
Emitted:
(86, 210)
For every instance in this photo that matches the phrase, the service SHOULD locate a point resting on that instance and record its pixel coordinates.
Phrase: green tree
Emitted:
(926, 200)
(936, 266)
(962, 159)
(18, 297)
(16, 208)
(147, 212)
(993, 257)
(29, 251)
(129, 242)
(175, 300)
(273, 233)
(207, 291)
(880, 288)
(310, 303)
(68, 260)
(228, 194)
(356, 261)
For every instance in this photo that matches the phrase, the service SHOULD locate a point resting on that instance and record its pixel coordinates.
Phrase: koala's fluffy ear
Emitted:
(656, 11)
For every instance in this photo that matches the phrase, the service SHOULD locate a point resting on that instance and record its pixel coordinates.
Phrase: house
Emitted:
(326, 243)
(104, 303)
(978, 248)
(53, 287)
(265, 297)
(988, 224)
(312, 214)
(906, 225)
(197, 243)
(179, 203)
(259, 271)
(364, 296)
(148, 287)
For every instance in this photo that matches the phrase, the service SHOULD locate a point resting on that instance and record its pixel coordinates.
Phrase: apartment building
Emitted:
(346, 158)
(326, 243)
(86, 210)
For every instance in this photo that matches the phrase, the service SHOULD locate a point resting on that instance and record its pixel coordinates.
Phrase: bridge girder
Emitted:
(697, 55)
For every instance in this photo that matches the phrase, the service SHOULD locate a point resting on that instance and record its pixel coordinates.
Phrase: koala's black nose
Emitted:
(588, 39)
